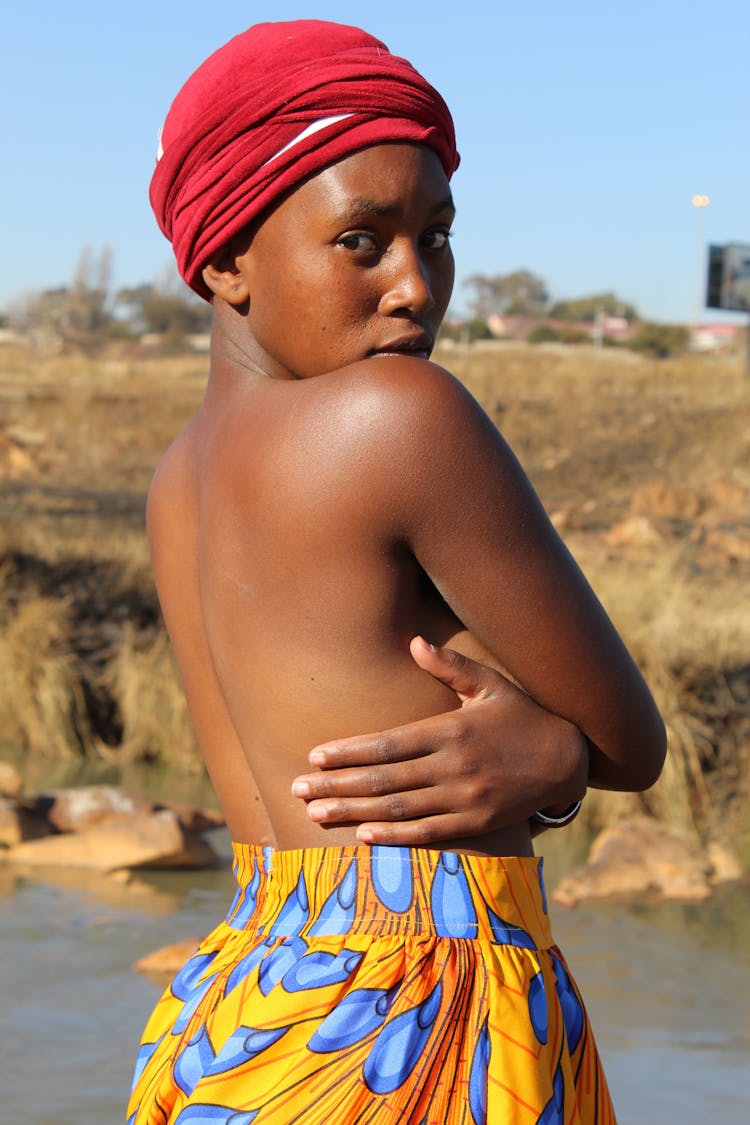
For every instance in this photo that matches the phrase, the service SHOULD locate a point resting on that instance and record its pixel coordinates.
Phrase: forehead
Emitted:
(387, 180)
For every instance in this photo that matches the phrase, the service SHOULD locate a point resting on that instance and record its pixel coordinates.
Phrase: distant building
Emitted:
(518, 327)
(713, 337)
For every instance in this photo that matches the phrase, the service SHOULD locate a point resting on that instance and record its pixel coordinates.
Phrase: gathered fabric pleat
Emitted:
(358, 986)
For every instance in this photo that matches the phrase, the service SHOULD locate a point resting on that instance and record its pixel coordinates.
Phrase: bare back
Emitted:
(290, 594)
(303, 531)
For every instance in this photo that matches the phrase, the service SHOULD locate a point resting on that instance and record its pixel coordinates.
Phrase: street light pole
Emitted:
(700, 203)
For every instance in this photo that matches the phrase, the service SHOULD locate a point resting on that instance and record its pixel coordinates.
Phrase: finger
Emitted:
(468, 678)
(429, 831)
(414, 805)
(400, 744)
(373, 781)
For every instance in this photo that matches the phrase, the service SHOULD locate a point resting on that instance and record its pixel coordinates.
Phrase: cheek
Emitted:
(446, 278)
(345, 302)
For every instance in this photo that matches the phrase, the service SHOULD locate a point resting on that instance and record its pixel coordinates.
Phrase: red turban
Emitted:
(242, 130)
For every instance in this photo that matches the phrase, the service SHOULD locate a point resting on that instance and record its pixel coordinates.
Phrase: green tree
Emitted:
(162, 310)
(545, 334)
(660, 340)
(521, 293)
(465, 331)
(77, 315)
(587, 308)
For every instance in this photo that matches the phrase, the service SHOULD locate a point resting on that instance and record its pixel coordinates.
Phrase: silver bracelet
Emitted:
(558, 821)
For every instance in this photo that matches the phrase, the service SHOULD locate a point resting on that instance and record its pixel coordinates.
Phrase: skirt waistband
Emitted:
(390, 891)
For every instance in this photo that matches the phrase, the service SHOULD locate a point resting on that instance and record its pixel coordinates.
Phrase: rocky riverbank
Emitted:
(100, 828)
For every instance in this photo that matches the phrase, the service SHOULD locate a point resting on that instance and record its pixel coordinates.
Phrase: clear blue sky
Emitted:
(584, 129)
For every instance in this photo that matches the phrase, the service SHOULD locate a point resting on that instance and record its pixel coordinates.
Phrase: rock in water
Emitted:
(144, 840)
(638, 857)
(73, 810)
(167, 960)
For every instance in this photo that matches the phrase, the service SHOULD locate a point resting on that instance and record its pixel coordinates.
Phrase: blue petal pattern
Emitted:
(357, 1016)
(145, 1052)
(337, 913)
(193, 1061)
(279, 961)
(189, 975)
(538, 1007)
(245, 901)
(572, 1010)
(215, 1115)
(400, 1043)
(509, 935)
(552, 1114)
(244, 1044)
(542, 886)
(294, 913)
(453, 911)
(478, 1077)
(189, 1008)
(318, 969)
(246, 964)
(392, 877)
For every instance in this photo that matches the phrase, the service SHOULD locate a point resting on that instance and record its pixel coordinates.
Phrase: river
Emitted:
(667, 987)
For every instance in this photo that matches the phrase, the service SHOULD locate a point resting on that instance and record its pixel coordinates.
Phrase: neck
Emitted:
(235, 353)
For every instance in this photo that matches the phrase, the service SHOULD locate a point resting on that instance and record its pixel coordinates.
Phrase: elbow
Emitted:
(638, 763)
(652, 756)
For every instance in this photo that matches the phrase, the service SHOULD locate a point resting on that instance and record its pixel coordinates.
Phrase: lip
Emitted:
(420, 346)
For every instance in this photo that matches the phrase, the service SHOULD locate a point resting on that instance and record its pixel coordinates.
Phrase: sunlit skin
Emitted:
(340, 270)
(337, 496)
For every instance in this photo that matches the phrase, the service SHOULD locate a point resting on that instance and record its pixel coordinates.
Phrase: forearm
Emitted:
(627, 754)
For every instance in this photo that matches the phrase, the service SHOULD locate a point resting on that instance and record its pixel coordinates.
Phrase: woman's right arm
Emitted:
(490, 764)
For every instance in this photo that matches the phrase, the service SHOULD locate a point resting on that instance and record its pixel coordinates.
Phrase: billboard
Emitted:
(729, 277)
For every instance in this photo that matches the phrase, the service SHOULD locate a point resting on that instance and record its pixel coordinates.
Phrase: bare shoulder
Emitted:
(406, 387)
(404, 407)
(418, 426)
(168, 491)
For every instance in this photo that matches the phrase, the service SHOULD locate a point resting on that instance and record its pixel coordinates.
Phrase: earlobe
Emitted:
(224, 280)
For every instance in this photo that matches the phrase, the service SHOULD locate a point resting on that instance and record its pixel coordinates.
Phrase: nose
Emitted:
(409, 287)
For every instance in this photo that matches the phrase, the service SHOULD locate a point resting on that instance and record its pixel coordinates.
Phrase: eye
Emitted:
(359, 240)
(437, 239)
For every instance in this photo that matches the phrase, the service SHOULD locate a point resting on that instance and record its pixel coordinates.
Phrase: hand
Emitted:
(487, 765)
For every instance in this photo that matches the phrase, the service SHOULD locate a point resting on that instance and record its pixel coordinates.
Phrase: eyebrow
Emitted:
(364, 207)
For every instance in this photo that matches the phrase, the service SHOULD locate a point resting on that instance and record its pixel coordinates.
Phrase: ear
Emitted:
(225, 279)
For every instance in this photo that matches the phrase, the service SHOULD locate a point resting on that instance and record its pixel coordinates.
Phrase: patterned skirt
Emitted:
(363, 986)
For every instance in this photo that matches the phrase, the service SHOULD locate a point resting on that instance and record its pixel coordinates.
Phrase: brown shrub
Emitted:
(41, 699)
(143, 678)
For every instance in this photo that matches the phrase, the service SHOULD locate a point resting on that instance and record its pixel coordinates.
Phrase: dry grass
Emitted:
(41, 701)
(84, 662)
(156, 725)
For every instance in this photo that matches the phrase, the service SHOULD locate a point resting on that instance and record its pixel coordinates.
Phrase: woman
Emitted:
(337, 499)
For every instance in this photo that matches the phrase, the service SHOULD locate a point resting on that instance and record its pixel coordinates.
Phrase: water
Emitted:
(667, 987)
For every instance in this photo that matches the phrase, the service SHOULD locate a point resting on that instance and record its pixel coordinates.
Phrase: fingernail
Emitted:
(317, 811)
(365, 835)
(300, 788)
(316, 758)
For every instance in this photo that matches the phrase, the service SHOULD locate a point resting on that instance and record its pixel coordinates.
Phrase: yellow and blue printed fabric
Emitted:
(364, 986)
